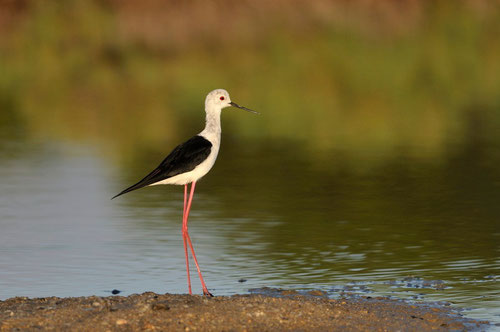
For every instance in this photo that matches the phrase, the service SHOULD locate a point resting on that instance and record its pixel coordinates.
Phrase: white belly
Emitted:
(195, 174)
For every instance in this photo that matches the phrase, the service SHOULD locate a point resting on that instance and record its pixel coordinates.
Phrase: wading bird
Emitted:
(189, 162)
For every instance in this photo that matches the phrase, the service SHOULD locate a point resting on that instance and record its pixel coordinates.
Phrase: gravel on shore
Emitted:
(167, 312)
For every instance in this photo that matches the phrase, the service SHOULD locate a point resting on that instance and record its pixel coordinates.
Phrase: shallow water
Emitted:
(270, 214)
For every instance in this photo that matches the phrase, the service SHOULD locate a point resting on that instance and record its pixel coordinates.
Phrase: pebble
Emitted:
(160, 306)
(149, 327)
(121, 322)
(259, 314)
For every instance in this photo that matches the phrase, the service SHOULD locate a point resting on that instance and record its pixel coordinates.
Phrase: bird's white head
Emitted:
(218, 99)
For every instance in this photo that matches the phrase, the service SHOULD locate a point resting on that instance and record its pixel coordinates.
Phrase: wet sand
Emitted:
(288, 311)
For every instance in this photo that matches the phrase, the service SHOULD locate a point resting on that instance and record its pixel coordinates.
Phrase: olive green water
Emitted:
(270, 214)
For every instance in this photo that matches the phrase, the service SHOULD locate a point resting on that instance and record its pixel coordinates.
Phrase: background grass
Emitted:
(362, 77)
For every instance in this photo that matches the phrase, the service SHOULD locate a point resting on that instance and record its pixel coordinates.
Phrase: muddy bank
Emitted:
(155, 312)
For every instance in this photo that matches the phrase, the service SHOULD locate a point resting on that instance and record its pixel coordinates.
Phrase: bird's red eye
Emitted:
(222, 98)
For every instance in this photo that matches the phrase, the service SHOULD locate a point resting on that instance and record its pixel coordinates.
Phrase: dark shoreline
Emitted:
(156, 312)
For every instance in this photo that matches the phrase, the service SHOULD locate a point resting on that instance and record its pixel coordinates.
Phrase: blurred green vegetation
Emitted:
(81, 70)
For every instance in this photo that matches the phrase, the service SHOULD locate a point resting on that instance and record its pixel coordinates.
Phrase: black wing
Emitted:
(182, 159)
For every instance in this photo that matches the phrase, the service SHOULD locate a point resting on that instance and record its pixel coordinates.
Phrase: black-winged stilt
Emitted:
(189, 162)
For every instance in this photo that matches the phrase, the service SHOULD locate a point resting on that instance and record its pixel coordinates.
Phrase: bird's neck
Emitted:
(212, 126)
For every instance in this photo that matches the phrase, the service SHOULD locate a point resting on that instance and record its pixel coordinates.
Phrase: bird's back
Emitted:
(183, 159)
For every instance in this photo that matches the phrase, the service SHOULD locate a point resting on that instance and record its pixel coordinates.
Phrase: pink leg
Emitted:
(184, 237)
(205, 289)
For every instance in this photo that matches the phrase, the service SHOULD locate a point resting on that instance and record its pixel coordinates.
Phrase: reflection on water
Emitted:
(267, 215)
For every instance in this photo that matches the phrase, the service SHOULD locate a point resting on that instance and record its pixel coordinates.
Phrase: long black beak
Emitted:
(243, 108)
